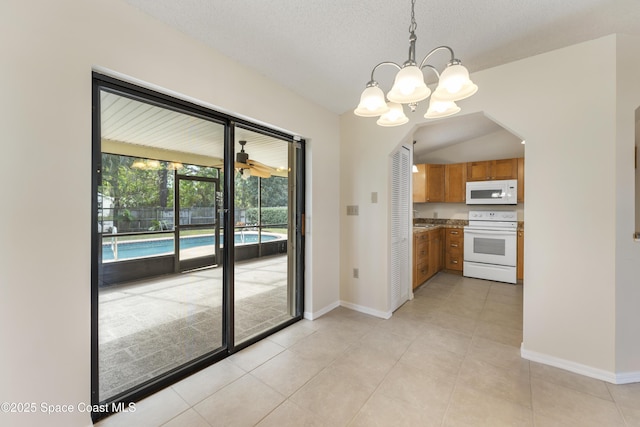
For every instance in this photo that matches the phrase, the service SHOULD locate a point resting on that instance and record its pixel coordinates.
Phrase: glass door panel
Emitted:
(264, 289)
(157, 216)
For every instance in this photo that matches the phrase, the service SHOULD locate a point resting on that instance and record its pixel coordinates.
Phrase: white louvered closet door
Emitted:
(400, 188)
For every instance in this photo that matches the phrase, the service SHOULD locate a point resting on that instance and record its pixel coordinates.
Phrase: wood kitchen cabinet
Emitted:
(521, 180)
(420, 257)
(520, 256)
(453, 249)
(435, 252)
(420, 184)
(428, 183)
(455, 182)
(492, 169)
(427, 255)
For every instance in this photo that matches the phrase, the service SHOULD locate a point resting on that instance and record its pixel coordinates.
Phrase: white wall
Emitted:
(496, 145)
(637, 144)
(627, 250)
(48, 51)
(571, 192)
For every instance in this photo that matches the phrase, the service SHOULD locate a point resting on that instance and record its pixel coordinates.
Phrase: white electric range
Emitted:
(490, 245)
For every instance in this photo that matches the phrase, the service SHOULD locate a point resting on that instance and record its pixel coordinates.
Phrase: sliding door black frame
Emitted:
(106, 83)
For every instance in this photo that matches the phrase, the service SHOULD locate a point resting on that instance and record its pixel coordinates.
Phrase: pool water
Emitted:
(152, 247)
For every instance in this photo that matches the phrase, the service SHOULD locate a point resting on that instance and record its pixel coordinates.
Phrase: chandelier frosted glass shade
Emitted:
(394, 117)
(439, 108)
(409, 86)
(372, 103)
(455, 84)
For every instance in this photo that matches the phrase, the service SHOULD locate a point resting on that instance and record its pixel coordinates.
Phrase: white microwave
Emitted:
(498, 192)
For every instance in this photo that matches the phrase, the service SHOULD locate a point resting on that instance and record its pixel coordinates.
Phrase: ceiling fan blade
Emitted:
(259, 165)
(260, 173)
(240, 165)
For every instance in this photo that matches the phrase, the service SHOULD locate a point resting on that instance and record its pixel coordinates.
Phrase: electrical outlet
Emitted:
(374, 197)
(356, 273)
(435, 215)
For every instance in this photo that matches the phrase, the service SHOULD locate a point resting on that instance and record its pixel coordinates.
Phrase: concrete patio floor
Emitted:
(150, 326)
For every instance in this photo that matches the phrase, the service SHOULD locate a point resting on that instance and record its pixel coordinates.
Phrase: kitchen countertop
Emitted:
(425, 224)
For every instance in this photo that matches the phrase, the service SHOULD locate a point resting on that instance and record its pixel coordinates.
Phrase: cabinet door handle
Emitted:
(453, 232)
(454, 245)
(454, 261)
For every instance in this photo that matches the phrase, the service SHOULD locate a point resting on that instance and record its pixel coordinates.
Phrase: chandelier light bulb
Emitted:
(372, 103)
(408, 79)
(439, 108)
(455, 84)
(394, 117)
(409, 86)
(454, 77)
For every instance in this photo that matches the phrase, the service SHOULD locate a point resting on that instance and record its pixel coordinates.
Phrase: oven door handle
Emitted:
(493, 232)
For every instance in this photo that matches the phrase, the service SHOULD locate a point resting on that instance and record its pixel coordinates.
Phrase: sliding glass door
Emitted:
(265, 226)
(197, 240)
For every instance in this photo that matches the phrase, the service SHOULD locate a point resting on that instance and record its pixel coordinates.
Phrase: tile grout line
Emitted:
(455, 385)
(386, 375)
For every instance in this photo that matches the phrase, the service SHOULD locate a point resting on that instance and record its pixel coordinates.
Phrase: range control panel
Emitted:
(493, 215)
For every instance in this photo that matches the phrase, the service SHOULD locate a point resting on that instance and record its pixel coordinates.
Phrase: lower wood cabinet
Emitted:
(453, 248)
(520, 257)
(427, 255)
(420, 257)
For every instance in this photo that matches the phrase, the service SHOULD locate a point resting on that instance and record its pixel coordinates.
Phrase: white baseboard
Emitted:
(628, 377)
(360, 308)
(578, 368)
(314, 315)
(366, 310)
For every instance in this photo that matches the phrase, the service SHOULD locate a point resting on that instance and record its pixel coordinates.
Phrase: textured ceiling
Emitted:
(324, 50)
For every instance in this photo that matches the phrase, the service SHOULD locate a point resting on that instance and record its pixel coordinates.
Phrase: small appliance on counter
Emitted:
(498, 192)
(490, 245)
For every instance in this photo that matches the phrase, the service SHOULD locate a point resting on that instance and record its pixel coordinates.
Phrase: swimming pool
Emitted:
(165, 246)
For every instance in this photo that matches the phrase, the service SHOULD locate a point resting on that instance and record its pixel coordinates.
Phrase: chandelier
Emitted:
(410, 88)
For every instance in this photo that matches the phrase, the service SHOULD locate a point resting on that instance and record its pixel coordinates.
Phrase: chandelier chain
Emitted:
(414, 25)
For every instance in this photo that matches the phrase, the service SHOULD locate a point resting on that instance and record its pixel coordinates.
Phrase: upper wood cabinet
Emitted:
(420, 184)
(435, 183)
(428, 183)
(448, 183)
(492, 169)
(455, 182)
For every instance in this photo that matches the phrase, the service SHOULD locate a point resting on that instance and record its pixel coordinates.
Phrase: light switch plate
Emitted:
(352, 210)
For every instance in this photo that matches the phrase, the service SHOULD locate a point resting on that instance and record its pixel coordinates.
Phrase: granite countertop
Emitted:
(435, 223)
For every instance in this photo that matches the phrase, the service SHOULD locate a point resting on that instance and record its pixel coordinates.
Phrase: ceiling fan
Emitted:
(248, 167)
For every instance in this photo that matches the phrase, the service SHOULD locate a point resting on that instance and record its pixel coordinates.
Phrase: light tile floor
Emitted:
(449, 357)
(150, 326)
